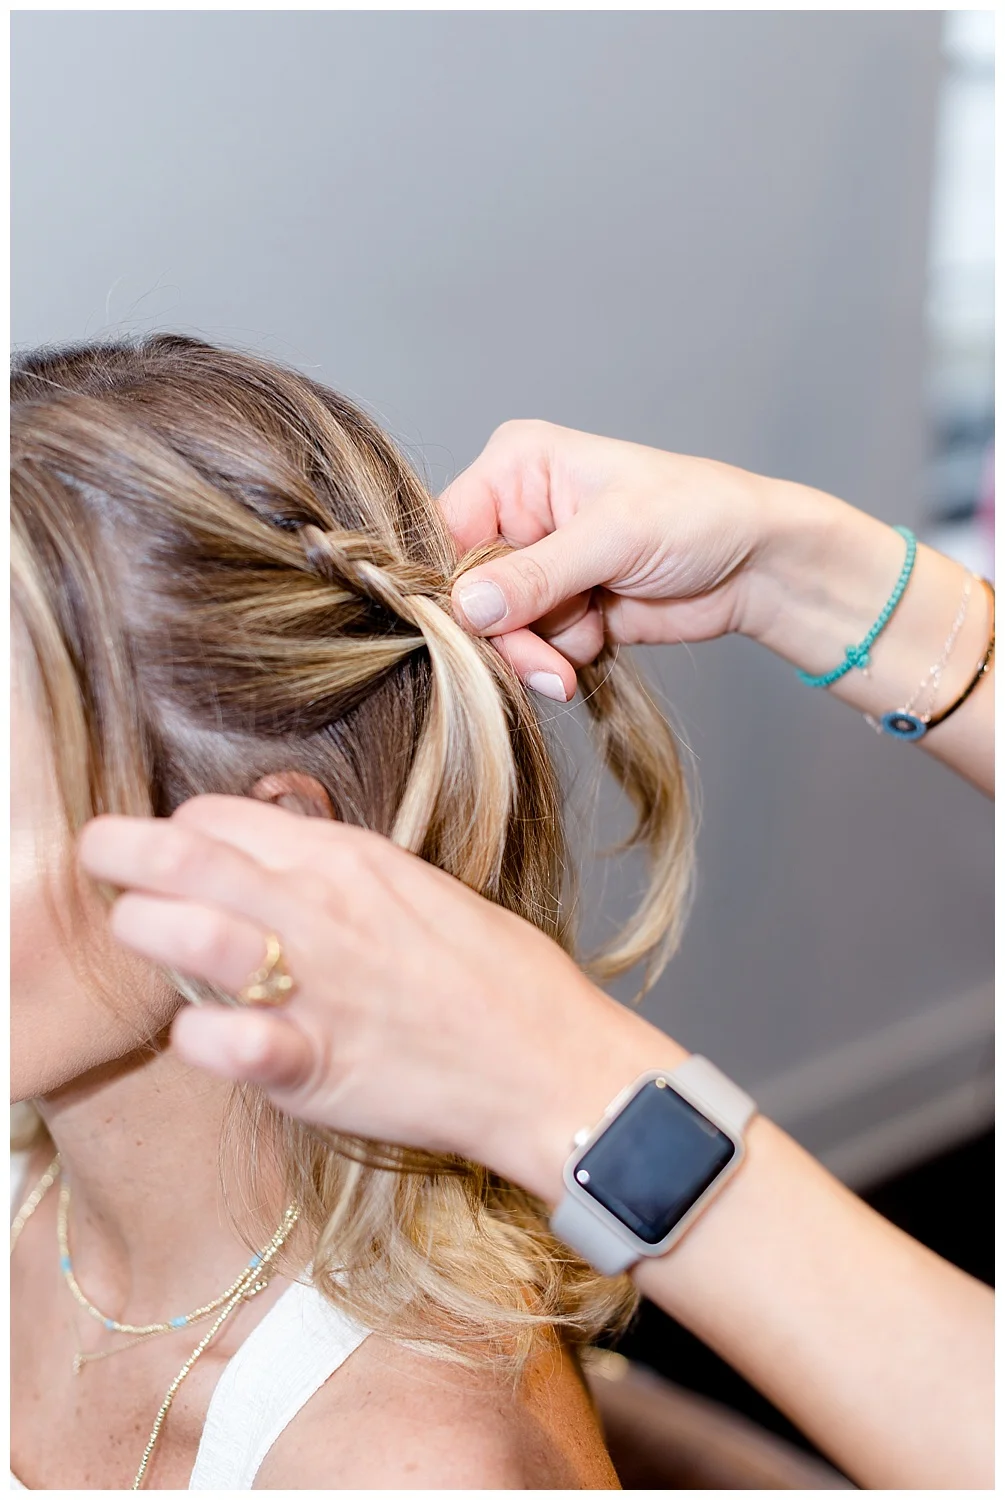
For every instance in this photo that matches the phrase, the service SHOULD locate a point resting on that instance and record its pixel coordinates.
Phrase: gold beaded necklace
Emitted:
(253, 1279)
(142, 1331)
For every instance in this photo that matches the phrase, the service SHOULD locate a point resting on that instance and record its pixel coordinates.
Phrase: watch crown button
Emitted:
(582, 1136)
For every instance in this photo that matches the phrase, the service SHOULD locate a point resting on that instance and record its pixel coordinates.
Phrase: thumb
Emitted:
(529, 583)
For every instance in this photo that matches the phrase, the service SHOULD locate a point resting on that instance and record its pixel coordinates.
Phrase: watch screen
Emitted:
(656, 1159)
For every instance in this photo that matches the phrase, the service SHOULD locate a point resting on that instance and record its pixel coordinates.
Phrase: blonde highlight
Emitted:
(225, 570)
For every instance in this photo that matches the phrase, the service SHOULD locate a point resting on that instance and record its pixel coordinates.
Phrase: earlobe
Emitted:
(296, 792)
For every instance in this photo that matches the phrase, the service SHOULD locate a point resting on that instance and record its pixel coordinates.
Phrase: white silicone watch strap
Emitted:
(723, 1097)
(602, 1241)
(598, 1243)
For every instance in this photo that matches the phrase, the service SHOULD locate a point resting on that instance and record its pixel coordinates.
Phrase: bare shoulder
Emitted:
(391, 1418)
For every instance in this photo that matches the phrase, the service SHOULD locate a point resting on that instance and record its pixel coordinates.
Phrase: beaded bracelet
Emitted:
(904, 724)
(910, 721)
(858, 656)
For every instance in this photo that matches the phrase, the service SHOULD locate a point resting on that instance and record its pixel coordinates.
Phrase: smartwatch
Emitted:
(664, 1148)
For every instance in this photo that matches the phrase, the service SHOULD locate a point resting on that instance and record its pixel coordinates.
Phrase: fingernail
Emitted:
(482, 602)
(548, 684)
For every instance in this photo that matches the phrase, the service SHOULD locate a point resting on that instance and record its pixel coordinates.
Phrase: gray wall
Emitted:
(705, 231)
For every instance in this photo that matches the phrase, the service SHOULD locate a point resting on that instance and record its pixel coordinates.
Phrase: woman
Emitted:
(226, 580)
(880, 1351)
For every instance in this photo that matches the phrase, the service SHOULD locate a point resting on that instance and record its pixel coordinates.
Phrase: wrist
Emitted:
(605, 1053)
(687, 1281)
(820, 575)
(815, 584)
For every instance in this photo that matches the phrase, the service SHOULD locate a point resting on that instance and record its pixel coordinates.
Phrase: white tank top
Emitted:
(286, 1357)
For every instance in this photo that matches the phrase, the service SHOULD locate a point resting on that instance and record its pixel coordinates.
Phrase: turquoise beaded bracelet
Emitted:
(858, 656)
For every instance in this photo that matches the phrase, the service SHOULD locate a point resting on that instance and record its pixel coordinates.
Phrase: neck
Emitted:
(140, 1144)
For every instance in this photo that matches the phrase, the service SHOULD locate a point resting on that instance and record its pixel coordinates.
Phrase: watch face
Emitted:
(654, 1161)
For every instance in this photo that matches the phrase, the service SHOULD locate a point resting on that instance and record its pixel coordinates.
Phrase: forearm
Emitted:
(877, 1349)
(426, 1015)
(823, 574)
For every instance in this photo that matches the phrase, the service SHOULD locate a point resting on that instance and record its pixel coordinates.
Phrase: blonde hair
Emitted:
(226, 569)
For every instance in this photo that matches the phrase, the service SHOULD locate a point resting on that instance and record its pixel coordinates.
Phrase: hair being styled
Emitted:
(226, 570)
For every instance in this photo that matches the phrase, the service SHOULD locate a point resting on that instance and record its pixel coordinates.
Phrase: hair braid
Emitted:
(225, 571)
(459, 795)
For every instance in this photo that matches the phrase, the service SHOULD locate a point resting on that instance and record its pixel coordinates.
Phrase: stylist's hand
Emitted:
(422, 1013)
(619, 543)
(614, 540)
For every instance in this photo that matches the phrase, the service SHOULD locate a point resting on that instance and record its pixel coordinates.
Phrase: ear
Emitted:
(296, 791)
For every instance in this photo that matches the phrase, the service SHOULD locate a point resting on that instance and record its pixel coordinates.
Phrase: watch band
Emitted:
(598, 1243)
(712, 1088)
(598, 1236)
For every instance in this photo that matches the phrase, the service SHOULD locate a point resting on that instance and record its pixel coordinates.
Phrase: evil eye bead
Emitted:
(903, 725)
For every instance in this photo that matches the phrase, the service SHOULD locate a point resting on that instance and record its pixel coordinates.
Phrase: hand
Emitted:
(615, 540)
(425, 1015)
(618, 542)
(422, 1013)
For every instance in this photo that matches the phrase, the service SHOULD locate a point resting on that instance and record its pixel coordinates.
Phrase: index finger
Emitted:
(276, 837)
(160, 857)
(506, 492)
(287, 842)
(365, 866)
(471, 509)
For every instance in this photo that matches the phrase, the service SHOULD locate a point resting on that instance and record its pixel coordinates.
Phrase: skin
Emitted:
(645, 547)
(139, 1132)
(425, 1015)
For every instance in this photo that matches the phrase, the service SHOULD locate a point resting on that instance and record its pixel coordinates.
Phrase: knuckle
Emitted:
(508, 429)
(194, 811)
(301, 892)
(517, 428)
(340, 885)
(343, 904)
(174, 860)
(518, 435)
(188, 812)
(347, 863)
(355, 912)
(356, 852)
(208, 940)
(531, 577)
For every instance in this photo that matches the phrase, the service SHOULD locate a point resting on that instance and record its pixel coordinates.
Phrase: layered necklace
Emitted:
(254, 1278)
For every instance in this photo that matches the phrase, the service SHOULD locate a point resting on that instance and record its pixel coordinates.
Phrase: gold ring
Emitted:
(272, 984)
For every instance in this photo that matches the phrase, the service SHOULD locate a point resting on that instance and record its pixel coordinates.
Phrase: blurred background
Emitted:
(761, 236)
